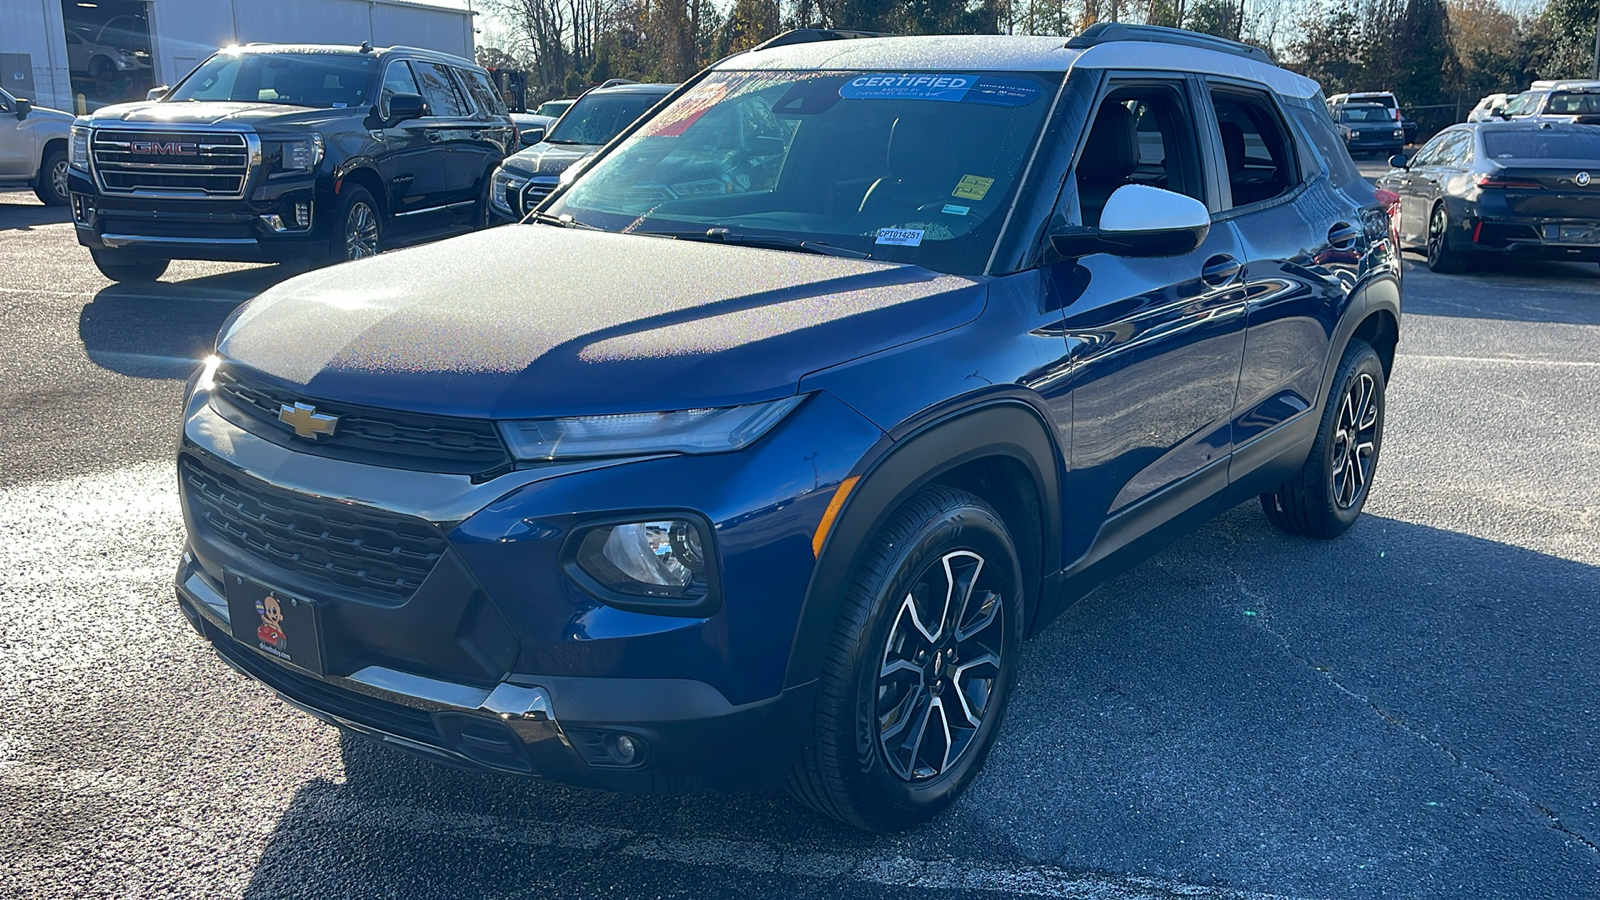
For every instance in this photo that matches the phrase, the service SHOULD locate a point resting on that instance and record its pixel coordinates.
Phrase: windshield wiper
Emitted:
(564, 221)
(768, 241)
(555, 141)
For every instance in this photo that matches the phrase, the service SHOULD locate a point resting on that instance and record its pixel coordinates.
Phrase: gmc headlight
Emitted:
(502, 183)
(300, 154)
(78, 148)
(714, 430)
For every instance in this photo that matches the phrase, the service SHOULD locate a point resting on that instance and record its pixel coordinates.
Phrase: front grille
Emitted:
(364, 434)
(210, 164)
(536, 191)
(383, 555)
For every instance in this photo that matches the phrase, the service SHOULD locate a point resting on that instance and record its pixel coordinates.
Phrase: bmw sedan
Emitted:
(1501, 188)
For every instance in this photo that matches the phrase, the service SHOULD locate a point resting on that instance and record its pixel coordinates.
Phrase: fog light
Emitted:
(302, 215)
(661, 558)
(625, 749)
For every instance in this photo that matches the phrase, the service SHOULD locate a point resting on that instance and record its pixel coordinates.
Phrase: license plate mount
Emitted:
(275, 623)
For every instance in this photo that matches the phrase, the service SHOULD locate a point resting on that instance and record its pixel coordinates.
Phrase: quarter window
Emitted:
(439, 89)
(1256, 145)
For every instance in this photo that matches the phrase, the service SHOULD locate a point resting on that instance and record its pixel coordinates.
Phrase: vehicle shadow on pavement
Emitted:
(163, 329)
(1406, 711)
(1522, 290)
(26, 215)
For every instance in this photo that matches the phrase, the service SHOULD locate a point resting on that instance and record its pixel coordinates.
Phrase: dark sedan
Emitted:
(1370, 128)
(1477, 189)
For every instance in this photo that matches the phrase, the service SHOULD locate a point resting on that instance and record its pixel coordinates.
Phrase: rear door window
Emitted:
(1256, 144)
(440, 90)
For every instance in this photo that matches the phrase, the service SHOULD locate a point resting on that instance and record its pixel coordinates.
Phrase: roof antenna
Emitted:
(366, 46)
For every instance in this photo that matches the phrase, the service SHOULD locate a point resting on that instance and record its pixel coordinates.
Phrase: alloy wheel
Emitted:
(1438, 228)
(361, 232)
(1355, 441)
(940, 663)
(58, 180)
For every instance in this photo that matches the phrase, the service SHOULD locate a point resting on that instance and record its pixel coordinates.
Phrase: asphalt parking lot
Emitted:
(1409, 711)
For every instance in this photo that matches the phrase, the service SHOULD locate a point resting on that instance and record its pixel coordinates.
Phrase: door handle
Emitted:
(477, 135)
(1343, 235)
(1220, 270)
(434, 136)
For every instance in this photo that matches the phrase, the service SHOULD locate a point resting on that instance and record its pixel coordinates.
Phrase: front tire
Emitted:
(915, 681)
(119, 266)
(1327, 497)
(52, 187)
(1442, 257)
(360, 225)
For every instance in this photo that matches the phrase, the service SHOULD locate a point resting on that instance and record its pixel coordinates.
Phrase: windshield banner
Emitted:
(986, 89)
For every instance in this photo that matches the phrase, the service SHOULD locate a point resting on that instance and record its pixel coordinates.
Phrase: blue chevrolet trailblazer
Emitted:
(753, 453)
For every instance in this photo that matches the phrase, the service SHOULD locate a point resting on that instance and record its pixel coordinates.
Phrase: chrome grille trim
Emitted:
(220, 168)
(534, 192)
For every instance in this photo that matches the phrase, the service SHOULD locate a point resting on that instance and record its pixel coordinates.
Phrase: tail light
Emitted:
(1500, 182)
(1390, 201)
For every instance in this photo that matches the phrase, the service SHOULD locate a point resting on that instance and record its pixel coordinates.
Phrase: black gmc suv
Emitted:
(276, 153)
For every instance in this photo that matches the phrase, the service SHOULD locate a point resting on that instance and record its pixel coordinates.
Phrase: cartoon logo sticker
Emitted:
(973, 187)
(270, 632)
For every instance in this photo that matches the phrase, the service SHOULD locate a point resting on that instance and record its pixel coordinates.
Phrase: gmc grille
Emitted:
(535, 192)
(209, 164)
(380, 554)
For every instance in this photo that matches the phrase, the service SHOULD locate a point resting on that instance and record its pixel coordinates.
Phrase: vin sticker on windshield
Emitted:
(954, 210)
(900, 237)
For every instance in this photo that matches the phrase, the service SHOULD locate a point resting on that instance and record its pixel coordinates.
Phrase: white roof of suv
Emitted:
(1009, 53)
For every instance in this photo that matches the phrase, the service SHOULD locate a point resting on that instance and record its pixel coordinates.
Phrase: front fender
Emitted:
(1008, 429)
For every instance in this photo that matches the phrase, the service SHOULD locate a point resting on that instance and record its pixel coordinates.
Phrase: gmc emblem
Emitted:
(165, 148)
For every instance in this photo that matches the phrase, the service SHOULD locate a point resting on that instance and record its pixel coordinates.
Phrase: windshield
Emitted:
(1365, 114)
(915, 167)
(553, 107)
(597, 118)
(1542, 144)
(321, 80)
(1565, 103)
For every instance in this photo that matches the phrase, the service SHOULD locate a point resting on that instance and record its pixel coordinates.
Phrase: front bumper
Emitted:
(1375, 145)
(498, 660)
(263, 227)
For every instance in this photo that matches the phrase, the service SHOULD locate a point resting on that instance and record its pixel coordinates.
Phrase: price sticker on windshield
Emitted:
(900, 237)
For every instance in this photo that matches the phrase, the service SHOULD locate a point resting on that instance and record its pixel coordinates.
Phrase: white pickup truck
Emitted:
(33, 148)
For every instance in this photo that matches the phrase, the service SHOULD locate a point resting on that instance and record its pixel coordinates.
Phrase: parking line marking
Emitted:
(1503, 359)
(704, 851)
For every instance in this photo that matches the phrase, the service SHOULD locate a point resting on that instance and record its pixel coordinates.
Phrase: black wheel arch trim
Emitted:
(1368, 301)
(916, 454)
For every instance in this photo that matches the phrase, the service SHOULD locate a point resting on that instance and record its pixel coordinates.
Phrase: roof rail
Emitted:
(613, 82)
(1107, 32)
(812, 35)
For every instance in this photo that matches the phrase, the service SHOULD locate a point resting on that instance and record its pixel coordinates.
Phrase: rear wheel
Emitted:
(52, 187)
(1333, 485)
(118, 265)
(915, 682)
(1442, 257)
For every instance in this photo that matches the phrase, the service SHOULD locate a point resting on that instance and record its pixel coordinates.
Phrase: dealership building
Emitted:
(78, 55)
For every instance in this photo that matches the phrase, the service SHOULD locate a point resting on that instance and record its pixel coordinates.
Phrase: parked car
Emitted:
(843, 372)
(1369, 128)
(272, 153)
(554, 108)
(1501, 188)
(1571, 101)
(531, 128)
(1489, 108)
(33, 148)
(1385, 99)
(86, 57)
(1408, 127)
(528, 177)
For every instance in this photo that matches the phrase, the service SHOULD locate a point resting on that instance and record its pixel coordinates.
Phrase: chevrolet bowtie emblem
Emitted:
(306, 421)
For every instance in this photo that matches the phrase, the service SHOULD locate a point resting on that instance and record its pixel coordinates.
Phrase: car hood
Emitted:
(548, 159)
(43, 118)
(535, 320)
(162, 113)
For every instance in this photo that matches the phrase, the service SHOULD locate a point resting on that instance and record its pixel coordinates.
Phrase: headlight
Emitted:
(78, 148)
(300, 154)
(503, 181)
(715, 430)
